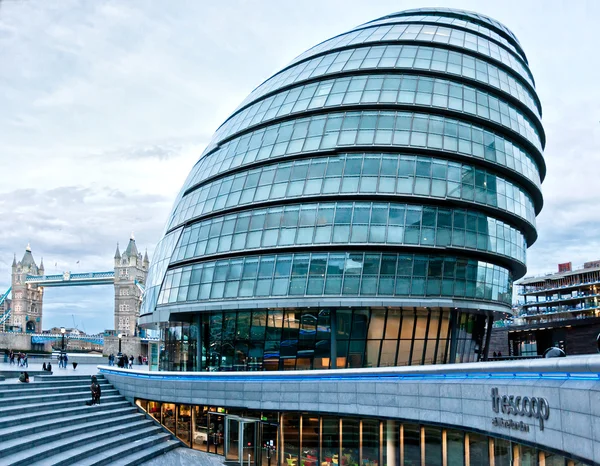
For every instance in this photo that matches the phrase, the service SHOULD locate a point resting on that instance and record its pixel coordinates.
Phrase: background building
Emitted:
(130, 276)
(27, 298)
(557, 309)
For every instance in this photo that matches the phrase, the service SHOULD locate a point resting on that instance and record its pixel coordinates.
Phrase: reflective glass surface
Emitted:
(383, 90)
(322, 338)
(454, 22)
(400, 57)
(369, 174)
(337, 274)
(158, 267)
(470, 16)
(358, 129)
(427, 33)
(350, 223)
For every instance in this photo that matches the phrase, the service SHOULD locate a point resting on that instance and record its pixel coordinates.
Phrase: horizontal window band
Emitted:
(516, 267)
(513, 220)
(484, 123)
(339, 223)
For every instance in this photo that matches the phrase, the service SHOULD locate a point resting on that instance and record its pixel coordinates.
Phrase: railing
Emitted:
(68, 277)
(45, 338)
(522, 319)
(544, 289)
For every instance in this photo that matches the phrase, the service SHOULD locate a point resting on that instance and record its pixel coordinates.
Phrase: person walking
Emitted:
(25, 361)
(95, 390)
(131, 362)
(65, 361)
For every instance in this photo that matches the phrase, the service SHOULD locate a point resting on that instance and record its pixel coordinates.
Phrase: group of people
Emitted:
(47, 367)
(21, 359)
(63, 360)
(126, 362)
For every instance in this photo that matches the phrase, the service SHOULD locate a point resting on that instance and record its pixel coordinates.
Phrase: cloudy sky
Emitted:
(106, 105)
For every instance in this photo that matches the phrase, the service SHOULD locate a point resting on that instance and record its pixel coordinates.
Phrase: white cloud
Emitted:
(106, 105)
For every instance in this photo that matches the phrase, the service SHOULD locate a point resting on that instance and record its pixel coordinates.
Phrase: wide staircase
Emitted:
(49, 423)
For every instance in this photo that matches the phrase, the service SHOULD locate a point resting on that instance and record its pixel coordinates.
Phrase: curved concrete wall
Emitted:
(458, 395)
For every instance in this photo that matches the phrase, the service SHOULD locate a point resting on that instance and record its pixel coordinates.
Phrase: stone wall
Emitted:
(15, 341)
(129, 345)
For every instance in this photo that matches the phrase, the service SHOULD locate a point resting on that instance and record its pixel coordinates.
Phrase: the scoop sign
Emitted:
(529, 406)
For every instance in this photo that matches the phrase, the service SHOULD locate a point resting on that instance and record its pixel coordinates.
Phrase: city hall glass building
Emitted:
(368, 205)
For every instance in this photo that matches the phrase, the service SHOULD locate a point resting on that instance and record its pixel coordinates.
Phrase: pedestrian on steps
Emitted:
(96, 391)
(24, 377)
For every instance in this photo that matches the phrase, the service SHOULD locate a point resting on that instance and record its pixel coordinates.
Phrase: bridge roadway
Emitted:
(73, 279)
(453, 395)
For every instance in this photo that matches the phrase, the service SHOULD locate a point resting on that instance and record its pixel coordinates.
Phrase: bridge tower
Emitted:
(131, 271)
(27, 298)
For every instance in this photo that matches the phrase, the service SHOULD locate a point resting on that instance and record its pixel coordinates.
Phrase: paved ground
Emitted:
(186, 457)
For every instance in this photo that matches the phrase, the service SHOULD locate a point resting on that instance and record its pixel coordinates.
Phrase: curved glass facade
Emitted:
(369, 205)
(350, 223)
(403, 57)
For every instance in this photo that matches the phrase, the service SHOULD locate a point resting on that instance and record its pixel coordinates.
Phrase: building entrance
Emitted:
(241, 440)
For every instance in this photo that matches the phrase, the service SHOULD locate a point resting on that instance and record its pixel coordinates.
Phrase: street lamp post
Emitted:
(120, 337)
(62, 351)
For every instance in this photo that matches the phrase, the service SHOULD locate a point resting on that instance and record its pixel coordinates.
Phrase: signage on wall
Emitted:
(522, 406)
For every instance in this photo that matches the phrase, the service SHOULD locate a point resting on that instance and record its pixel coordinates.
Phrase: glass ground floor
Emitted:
(323, 338)
(269, 438)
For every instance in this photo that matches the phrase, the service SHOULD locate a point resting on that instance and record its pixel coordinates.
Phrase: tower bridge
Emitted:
(23, 312)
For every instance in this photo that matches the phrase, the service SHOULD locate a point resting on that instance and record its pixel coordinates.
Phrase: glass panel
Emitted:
(216, 433)
(391, 434)
(291, 438)
(168, 416)
(455, 444)
(200, 428)
(502, 452)
(479, 449)
(310, 440)
(412, 445)
(233, 440)
(350, 441)
(184, 420)
(154, 409)
(330, 440)
(370, 442)
(433, 446)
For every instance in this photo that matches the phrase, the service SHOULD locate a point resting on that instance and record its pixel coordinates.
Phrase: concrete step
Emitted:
(91, 415)
(44, 415)
(59, 383)
(111, 452)
(140, 457)
(101, 438)
(16, 372)
(41, 446)
(27, 398)
(52, 378)
(47, 388)
(58, 405)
